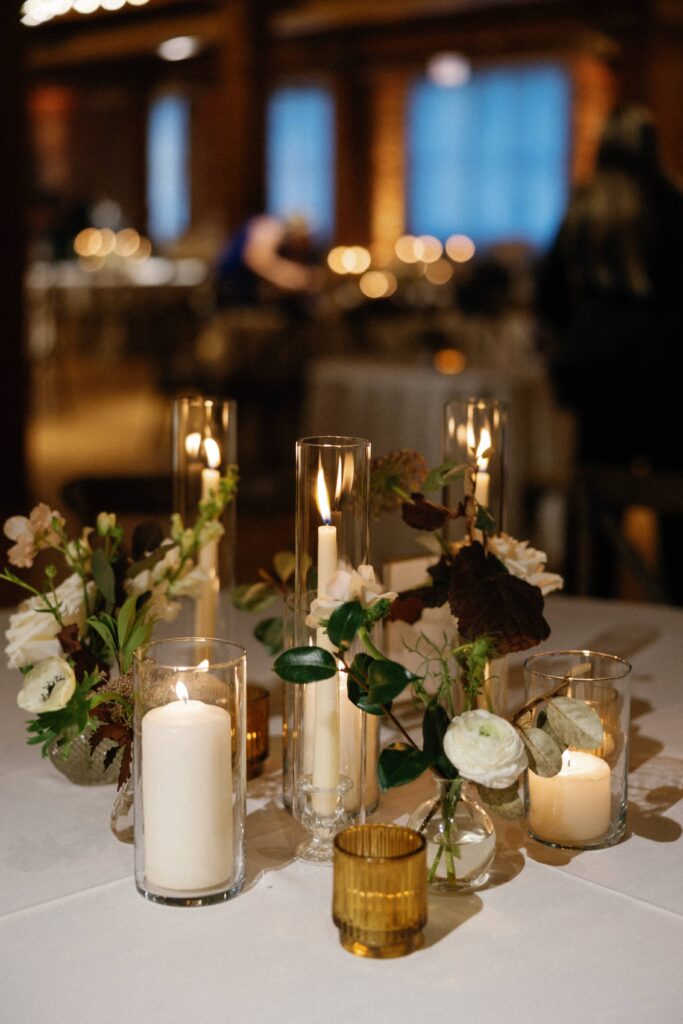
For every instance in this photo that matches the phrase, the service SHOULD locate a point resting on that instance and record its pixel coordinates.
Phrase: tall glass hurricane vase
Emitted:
(204, 445)
(332, 746)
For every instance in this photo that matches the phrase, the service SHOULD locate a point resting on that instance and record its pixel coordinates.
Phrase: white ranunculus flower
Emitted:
(525, 562)
(31, 637)
(485, 748)
(32, 632)
(342, 586)
(49, 686)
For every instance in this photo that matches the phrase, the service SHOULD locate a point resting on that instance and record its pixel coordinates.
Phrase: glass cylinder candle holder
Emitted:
(333, 738)
(475, 434)
(583, 807)
(353, 738)
(189, 770)
(258, 707)
(204, 446)
(379, 901)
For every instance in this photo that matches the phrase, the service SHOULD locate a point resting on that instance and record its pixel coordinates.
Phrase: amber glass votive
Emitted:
(379, 902)
(257, 729)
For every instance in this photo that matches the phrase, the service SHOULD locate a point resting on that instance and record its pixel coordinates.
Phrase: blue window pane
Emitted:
(168, 185)
(489, 159)
(300, 156)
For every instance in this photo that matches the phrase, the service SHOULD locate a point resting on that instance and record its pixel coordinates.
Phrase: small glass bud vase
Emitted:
(583, 807)
(475, 434)
(460, 836)
(189, 770)
(327, 736)
(204, 446)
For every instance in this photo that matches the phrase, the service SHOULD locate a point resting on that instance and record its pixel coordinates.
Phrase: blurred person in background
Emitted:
(610, 295)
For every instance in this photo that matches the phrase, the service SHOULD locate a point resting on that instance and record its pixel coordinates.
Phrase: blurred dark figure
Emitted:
(610, 290)
(54, 222)
(267, 259)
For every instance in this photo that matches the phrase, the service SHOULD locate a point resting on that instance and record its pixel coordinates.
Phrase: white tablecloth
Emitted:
(587, 937)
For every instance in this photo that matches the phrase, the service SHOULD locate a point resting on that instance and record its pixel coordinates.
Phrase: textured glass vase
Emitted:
(461, 839)
(84, 766)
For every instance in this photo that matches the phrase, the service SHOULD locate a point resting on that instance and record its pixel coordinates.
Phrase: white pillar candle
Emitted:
(206, 608)
(351, 720)
(573, 806)
(187, 795)
(326, 722)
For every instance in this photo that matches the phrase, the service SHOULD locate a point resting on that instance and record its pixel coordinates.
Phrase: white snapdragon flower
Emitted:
(525, 562)
(342, 586)
(485, 748)
(49, 686)
(191, 584)
(32, 632)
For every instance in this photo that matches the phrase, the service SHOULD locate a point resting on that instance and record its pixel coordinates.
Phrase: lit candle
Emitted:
(483, 480)
(206, 609)
(326, 733)
(187, 794)
(573, 806)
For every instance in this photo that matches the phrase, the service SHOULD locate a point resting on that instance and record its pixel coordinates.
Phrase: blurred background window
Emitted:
(168, 183)
(301, 156)
(490, 158)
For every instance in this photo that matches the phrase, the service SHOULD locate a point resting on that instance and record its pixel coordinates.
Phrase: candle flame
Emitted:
(212, 452)
(483, 452)
(193, 444)
(203, 665)
(322, 498)
(338, 485)
(181, 691)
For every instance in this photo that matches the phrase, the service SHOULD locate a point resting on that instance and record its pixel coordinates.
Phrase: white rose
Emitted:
(485, 748)
(525, 562)
(342, 586)
(49, 686)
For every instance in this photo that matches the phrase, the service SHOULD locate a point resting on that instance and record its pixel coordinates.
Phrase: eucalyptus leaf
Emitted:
(575, 723)
(284, 563)
(252, 597)
(305, 665)
(398, 765)
(387, 679)
(543, 753)
(507, 803)
(270, 633)
(344, 623)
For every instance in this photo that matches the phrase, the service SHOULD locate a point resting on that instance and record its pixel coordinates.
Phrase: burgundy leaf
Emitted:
(488, 600)
(68, 638)
(422, 514)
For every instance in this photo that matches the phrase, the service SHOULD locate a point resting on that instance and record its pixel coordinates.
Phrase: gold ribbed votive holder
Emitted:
(379, 902)
(258, 701)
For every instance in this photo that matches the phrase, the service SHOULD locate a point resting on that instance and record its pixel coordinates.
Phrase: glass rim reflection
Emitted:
(614, 659)
(420, 843)
(146, 653)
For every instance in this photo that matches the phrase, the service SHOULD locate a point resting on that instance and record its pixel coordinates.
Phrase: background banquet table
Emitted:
(584, 937)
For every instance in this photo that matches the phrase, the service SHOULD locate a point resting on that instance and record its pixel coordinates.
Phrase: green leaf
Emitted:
(574, 723)
(305, 665)
(103, 574)
(356, 693)
(505, 802)
(284, 563)
(543, 753)
(269, 632)
(399, 765)
(434, 725)
(484, 520)
(125, 619)
(387, 679)
(441, 475)
(252, 597)
(344, 623)
(105, 627)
